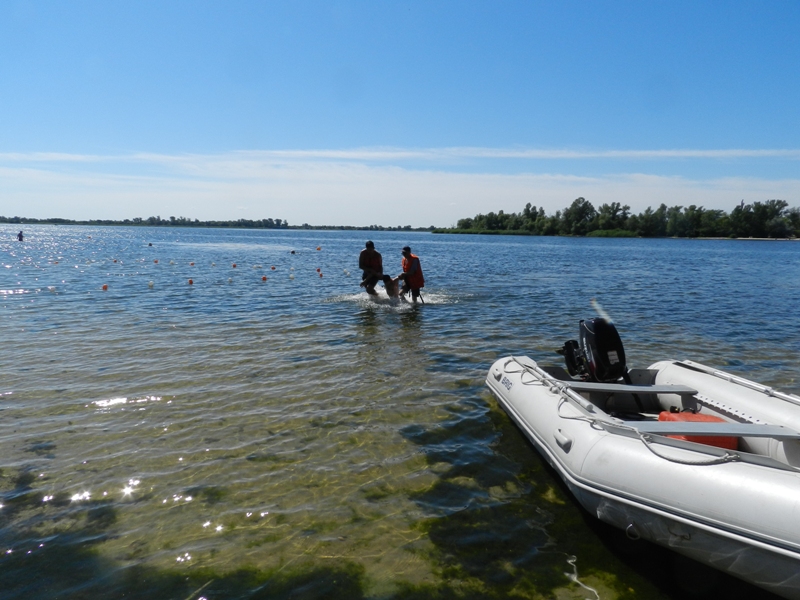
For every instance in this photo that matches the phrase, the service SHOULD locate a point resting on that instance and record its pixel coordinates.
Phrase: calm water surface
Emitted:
(241, 438)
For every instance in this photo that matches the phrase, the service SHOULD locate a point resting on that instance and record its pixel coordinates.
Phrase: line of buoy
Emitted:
(151, 283)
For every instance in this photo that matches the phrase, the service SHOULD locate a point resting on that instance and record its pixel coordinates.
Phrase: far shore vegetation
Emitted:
(769, 219)
(184, 222)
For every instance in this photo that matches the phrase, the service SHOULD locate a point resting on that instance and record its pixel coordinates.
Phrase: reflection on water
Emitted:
(241, 438)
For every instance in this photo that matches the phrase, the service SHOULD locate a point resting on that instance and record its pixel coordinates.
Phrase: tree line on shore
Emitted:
(184, 222)
(769, 219)
(157, 222)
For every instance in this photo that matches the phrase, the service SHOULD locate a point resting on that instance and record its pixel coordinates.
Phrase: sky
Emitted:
(394, 113)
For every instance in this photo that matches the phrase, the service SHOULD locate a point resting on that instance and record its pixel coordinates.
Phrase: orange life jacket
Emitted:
(416, 280)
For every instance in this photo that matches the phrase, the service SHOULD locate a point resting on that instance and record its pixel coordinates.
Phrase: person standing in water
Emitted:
(412, 277)
(19, 236)
(371, 263)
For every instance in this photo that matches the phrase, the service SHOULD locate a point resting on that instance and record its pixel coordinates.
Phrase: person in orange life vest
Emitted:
(371, 263)
(412, 276)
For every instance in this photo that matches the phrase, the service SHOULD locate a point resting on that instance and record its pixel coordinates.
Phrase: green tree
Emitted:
(793, 218)
(676, 226)
(577, 219)
(465, 224)
(714, 223)
(652, 223)
(612, 216)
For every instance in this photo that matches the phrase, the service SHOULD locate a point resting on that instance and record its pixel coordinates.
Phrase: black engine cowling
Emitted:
(599, 355)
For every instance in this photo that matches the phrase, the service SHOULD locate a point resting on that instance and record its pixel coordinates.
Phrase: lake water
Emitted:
(294, 438)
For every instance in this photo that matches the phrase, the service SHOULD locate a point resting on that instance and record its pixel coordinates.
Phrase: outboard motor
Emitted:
(599, 356)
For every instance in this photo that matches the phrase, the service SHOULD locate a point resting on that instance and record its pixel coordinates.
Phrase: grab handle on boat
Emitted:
(725, 458)
(563, 441)
(631, 533)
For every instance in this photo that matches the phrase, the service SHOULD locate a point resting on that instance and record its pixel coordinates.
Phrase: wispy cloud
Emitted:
(383, 154)
(358, 187)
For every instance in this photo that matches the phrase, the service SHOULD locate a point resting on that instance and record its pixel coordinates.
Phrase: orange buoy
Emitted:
(234, 265)
(191, 282)
(319, 270)
(191, 264)
(319, 247)
(320, 274)
(105, 287)
(273, 267)
(115, 260)
(264, 278)
(156, 261)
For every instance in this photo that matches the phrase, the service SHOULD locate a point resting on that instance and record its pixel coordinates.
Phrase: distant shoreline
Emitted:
(183, 222)
(245, 224)
(623, 235)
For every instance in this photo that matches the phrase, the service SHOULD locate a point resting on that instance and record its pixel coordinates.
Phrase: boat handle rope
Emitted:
(726, 458)
(522, 371)
(591, 420)
(556, 387)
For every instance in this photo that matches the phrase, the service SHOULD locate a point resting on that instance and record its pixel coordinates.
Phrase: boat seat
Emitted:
(713, 429)
(621, 388)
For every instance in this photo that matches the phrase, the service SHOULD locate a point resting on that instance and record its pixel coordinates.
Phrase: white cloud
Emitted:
(382, 154)
(351, 187)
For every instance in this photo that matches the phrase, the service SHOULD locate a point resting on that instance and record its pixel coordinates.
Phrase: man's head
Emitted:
(406, 251)
(370, 245)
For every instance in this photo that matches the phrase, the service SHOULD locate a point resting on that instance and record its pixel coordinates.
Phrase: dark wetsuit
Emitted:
(371, 263)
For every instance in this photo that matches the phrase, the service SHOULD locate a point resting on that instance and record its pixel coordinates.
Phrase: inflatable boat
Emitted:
(701, 461)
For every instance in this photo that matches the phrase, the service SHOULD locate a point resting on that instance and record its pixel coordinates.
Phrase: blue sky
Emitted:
(393, 112)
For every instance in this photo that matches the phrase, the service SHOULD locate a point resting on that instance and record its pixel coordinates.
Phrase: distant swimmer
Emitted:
(371, 263)
(392, 286)
(411, 276)
(20, 236)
